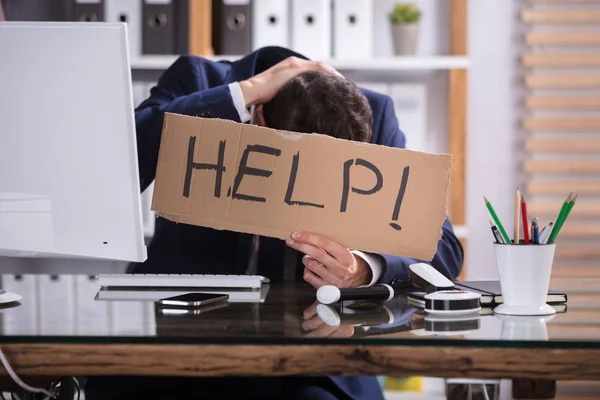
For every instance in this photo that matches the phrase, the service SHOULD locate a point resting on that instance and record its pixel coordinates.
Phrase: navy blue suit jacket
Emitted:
(196, 86)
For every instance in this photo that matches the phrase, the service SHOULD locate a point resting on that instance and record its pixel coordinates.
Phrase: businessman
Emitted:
(280, 89)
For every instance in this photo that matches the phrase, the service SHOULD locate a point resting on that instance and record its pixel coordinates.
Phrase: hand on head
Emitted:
(261, 88)
(329, 263)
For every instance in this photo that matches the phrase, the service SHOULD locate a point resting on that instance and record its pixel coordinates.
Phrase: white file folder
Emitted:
(21, 320)
(56, 303)
(311, 28)
(92, 316)
(352, 28)
(130, 12)
(410, 105)
(270, 23)
(377, 87)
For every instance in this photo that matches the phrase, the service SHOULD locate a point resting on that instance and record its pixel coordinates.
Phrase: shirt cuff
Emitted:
(239, 102)
(373, 262)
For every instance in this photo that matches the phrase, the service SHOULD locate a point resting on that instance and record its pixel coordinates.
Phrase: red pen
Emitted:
(525, 221)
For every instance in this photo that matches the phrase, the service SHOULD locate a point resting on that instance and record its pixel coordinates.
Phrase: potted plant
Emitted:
(404, 19)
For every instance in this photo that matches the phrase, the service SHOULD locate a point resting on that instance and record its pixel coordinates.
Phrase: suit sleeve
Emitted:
(180, 91)
(449, 255)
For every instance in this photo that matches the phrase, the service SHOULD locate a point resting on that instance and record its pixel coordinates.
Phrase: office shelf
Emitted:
(371, 64)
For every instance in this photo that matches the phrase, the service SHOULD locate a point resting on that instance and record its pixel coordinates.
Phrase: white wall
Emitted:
(492, 125)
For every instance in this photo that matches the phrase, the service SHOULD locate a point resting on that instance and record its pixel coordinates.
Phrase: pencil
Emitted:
(496, 220)
(524, 217)
(558, 220)
(564, 218)
(517, 207)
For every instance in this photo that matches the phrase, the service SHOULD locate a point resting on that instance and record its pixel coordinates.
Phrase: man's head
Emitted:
(322, 103)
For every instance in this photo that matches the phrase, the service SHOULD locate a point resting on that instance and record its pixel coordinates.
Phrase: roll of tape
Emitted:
(448, 302)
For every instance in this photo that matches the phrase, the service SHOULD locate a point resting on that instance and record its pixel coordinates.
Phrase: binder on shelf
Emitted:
(352, 28)
(200, 28)
(56, 304)
(130, 12)
(139, 93)
(2, 16)
(88, 10)
(270, 23)
(311, 28)
(24, 319)
(410, 105)
(36, 10)
(182, 26)
(232, 32)
(378, 87)
(93, 317)
(158, 27)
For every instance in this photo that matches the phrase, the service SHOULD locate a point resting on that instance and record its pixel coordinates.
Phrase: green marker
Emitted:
(565, 216)
(560, 219)
(497, 221)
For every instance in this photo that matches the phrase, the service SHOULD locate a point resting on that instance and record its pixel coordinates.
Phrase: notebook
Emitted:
(417, 300)
(492, 294)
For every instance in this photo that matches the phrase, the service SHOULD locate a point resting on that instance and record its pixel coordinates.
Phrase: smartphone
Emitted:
(193, 299)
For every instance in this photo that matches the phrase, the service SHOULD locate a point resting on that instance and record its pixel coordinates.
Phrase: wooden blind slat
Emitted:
(562, 145)
(561, 59)
(579, 252)
(562, 38)
(561, 16)
(546, 102)
(564, 1)
(580, 230)
(570, 166)
(581, 209)
(561, 187)
(562, 124)
(576, 271)
(561, 81)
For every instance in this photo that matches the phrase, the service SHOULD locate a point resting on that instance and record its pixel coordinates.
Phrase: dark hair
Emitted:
(321, 103)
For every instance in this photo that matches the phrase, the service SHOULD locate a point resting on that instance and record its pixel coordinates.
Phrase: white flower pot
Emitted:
(405, 38)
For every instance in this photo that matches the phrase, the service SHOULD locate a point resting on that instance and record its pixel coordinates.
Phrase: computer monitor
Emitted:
(69, 182)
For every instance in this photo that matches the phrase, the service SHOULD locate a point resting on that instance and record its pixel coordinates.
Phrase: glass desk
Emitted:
(63, 327)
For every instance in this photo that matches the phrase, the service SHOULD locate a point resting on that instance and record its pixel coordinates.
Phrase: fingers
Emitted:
(315, 253)
(312, 324)
(321, 66)
(308, 65)
(310, 311)
(322, 272)
(323, 330)
(313, 279)
(339, 252)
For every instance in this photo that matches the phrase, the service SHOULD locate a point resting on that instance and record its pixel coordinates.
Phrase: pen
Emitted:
(330, 294)
(496, 220)
(545, 233)
(496, 233)
(535, 233)
(525, 220)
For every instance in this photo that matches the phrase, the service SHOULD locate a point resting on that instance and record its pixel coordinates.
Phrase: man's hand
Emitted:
(262, 88)
(317, 328)
(329, 263)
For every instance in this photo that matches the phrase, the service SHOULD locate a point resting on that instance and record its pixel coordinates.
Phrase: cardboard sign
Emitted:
(240, 177)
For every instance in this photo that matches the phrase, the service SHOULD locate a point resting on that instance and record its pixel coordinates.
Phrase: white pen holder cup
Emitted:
(524, 272)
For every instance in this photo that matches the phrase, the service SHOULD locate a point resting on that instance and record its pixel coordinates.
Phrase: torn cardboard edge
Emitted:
(261, 181)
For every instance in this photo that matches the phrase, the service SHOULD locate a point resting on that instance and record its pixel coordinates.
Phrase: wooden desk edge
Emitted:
(213, 360)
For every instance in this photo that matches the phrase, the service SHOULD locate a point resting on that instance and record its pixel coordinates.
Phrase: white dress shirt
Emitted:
(237, 96)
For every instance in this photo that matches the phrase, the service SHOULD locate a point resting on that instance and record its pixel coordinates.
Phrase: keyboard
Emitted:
(181, 281)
